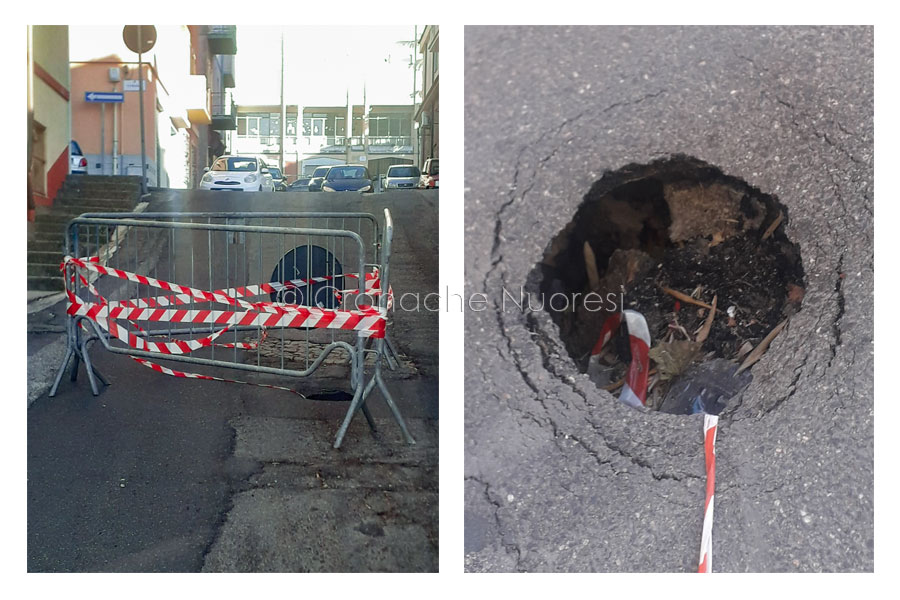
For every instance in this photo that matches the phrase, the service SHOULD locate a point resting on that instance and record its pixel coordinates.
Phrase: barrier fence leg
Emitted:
(71, 355)
(73, 375)
(62, 368)
(87, 367)
(364, 408)
(393, 357)
(380, 345)
(354, 404)
(368, 416)
(396, 411)
(90, 368)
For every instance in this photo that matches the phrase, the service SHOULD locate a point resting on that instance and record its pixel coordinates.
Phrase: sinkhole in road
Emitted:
(665, 239)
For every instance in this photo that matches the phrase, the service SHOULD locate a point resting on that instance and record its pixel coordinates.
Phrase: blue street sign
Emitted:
(104, 97)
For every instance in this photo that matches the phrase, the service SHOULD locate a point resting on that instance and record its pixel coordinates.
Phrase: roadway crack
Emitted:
(509, 546)
(836, 322)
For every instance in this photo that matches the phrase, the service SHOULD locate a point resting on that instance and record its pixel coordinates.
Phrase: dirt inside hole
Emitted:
(645, 234)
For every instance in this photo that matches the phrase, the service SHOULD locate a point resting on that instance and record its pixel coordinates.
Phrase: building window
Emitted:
(389, 126)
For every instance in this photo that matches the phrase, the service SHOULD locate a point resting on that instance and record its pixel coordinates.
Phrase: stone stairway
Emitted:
(78, 194)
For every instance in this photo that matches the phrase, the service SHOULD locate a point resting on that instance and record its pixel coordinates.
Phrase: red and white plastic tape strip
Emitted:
(367, 321)
(373, 288)
(710, 427)
(174, 373)
(634, 392)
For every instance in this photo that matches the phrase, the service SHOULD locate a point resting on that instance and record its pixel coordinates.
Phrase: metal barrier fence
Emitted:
(308, 284)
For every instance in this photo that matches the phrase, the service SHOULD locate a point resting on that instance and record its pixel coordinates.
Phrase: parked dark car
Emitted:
(315, 183)
(277, 179)
(300, 185)
(347, 178)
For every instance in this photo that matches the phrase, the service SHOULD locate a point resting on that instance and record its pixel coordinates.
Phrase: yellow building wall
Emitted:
(50, 46)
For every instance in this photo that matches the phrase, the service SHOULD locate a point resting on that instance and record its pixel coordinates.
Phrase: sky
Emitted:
(322, 62)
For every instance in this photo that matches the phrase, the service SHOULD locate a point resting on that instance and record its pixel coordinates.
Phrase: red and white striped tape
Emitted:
(373, 288)
(634, 392)
(174, 373)
(710, 426)
(367, 321)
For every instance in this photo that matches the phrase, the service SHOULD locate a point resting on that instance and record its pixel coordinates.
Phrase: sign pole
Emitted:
(103, 138)
(141, 103)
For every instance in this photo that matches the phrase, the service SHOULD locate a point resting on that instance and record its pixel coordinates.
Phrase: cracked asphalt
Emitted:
(559, 475)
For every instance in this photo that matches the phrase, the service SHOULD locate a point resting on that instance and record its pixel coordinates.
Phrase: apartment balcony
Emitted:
(390, 145)
(198, 109)
(224, 111)
(222, 39)
(266, 144)
(228, 71)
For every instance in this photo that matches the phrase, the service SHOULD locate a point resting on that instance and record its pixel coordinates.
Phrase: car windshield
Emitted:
(403, 172)
(234, 163)
(275, 172)
(434, 168)
(338, 173)
(75, 148)
(320, 172)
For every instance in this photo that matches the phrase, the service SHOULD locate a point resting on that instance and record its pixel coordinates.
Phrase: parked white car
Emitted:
(77, 161)
(238, 173)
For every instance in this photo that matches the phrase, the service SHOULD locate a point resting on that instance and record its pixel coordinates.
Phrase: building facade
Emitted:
(186, 79)
(428, 116)
(49, 95)
(318, 135)
(109, 132)
(213, 48)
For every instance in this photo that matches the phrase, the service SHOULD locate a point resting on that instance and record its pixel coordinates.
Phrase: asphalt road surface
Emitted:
(166, 474)
(559, 476)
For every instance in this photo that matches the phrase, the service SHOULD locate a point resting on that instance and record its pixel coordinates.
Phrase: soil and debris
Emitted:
(676, 240)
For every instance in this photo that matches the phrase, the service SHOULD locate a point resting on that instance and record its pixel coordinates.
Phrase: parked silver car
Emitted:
(402, 176)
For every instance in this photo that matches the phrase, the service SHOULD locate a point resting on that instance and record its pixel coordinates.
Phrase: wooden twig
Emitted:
(707, 326)
(773, 226)
(760, 349)
(590, 266)
(685, 297)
